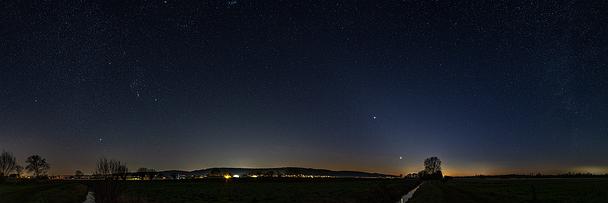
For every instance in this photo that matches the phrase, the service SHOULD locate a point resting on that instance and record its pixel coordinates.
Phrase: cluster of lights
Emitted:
(227, 176)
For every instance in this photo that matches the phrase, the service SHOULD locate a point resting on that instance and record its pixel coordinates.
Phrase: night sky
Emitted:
(501, 87)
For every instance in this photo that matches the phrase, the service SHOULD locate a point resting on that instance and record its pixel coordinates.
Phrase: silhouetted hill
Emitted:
(283, 171)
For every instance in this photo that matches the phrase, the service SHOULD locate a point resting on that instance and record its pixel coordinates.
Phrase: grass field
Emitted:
(514, 190)
(42, 192)
(282, 190)
(219, 190)
(324, 190)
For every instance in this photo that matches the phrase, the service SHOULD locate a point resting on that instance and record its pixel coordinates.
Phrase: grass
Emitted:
(56, 192)
(323, 190)
(514, 190)
(219, 190)
(271, 190)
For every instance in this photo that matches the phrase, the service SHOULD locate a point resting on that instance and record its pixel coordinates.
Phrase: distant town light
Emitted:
(254, 176)
(235, 176)
(227, 176)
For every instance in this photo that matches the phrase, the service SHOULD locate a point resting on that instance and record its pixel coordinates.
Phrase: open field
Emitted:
(272, 190)
(514, 190)
(220, 190)
(323, 190)
(63, 192)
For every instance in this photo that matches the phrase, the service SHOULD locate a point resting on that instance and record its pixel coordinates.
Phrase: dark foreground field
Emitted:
(241, 190)
(284, 190)
(514, 190)
(63, 192)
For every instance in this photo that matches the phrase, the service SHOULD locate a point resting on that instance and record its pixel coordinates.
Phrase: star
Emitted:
(100, 140)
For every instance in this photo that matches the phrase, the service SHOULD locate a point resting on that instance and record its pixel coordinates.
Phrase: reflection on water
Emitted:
(409, 195)
(90, 198)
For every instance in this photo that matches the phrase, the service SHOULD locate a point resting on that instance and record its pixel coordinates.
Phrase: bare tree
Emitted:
(119, 170)
(432, 168)
(432, 165)
(111, 169)
(78, 174)
(111, 188)
(150, 173)
(19, 170)
(37, 165)
(7, 163)
(103, 168)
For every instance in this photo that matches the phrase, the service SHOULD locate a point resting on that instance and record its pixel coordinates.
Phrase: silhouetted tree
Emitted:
(421, 174)
(112, 171)
(141, 172)
(215, 172)
(7, 163)
(447, 178)
(37, 165)
(19, 170)
(150, 173)
(78, 174)
(432, 165)
(432, 168)
(269, 173)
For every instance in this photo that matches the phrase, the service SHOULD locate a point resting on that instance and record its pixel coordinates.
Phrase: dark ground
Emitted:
(555, 190)
(220, 190)
(272, 190)
(47, 192)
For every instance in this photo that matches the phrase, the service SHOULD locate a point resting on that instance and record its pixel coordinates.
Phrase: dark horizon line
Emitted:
(529, 174)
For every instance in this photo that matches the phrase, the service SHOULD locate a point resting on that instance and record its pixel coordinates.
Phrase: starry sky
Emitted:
(488, 87)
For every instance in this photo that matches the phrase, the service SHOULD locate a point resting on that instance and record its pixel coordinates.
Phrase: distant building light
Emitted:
(227, 176)
(254, 176)
(235, 176)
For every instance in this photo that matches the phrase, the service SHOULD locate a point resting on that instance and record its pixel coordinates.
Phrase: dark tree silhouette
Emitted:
(37, 165)
(432, 168)
(111, 187)
(150, 173)
(141, 172)
(215, 172)
(7, 163)
(19, 170)
(78, 174)
(111, 169)
(432, 165)
(269, 173)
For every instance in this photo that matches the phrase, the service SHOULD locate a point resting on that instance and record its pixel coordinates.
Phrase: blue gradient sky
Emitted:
(489, 88)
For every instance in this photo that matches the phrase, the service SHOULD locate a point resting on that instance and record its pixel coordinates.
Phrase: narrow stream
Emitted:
(409, 195)
(90, 198)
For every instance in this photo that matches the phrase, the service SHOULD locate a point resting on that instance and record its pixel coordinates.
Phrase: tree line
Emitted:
(110, 169)
(36, 165)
